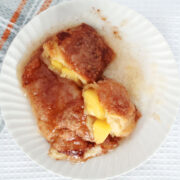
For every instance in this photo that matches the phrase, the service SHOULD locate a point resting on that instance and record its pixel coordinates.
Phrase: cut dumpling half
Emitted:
(78, 53)
(108, 101)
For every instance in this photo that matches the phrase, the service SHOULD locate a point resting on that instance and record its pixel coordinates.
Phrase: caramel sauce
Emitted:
(59, 109)
(86, 51)
(57, 102)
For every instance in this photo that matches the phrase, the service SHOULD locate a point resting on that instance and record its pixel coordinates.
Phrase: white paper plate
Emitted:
(144, 64)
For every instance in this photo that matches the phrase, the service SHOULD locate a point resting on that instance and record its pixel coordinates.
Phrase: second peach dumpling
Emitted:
(108, 102)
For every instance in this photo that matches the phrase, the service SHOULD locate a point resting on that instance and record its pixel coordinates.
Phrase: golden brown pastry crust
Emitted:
(115, 98)
(71, 147)
(84, 51)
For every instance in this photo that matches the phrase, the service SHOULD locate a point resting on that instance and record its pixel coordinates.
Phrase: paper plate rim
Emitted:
(46, 12)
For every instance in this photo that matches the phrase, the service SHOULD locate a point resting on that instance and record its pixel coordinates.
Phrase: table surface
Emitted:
(165, 163)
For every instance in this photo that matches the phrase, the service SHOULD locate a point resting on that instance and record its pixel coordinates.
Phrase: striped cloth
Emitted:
(14, 14)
